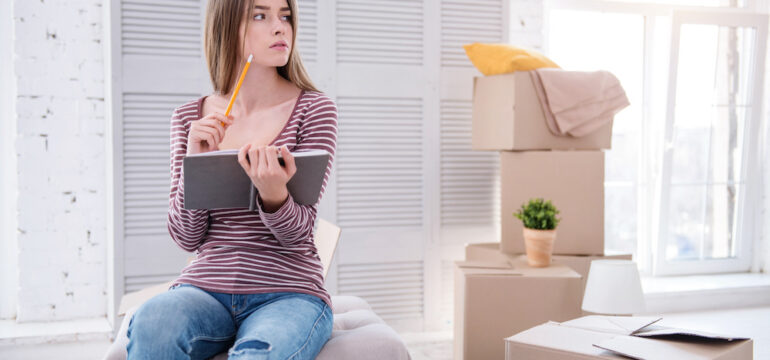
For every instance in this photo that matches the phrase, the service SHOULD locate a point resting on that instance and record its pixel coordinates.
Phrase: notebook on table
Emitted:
(215, 180)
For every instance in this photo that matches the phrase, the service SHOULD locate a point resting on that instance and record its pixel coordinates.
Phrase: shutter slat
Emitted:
(134, 283)
(163, 27)
(146, 161)
(459, 28)
(469, 179)
(368, 182)
(307, 34)
(364, 30)
(397, 292)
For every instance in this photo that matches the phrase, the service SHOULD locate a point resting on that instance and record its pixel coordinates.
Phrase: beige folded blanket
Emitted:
(577, 103)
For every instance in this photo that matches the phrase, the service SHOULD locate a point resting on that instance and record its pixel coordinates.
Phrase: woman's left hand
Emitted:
(266, 173)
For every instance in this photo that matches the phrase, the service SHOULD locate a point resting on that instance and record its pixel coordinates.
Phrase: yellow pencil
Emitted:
(237, 87)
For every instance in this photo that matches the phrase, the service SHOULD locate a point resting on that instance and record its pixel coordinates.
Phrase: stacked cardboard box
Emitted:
(507, 117)
(490, 253)
(498, 295)
(494, 301)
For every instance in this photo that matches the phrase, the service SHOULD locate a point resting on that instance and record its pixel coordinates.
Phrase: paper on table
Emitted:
(621, 325)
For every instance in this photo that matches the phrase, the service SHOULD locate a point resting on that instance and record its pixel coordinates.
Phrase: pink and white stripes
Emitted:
(245, 252)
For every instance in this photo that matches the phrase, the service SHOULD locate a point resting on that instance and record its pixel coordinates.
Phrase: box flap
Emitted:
(621, 325)
(571, 340)
(601, 337)
(477, 271)
(484, 264)
(555, 270)
(662, 331)
(642, 348)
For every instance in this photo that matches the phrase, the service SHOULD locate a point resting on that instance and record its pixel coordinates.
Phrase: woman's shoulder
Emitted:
(188, 111)
(315, 100)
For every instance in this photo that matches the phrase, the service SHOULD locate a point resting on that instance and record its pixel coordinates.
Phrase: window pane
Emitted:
(579, 40)
(710, 121)
(701, 222)
(714, 62)
(685, 222)
(708, 148)
(620, 219)
(621, 161)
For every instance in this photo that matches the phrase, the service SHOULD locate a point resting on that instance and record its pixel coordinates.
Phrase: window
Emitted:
(698, 179)
(708, 182)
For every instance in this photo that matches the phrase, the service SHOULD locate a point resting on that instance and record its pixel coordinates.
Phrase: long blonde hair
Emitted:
(220, 42)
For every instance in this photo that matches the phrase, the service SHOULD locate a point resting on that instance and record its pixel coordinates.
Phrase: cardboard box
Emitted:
(488, 251)
(580, 263)
(508, 116)
(572, 180)
(608, 337)
(492, 303)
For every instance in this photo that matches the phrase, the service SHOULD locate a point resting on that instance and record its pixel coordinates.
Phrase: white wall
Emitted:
(8, 273)
(526, 24)
(59, 100)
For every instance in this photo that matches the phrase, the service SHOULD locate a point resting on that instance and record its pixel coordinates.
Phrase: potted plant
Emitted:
(539, 219)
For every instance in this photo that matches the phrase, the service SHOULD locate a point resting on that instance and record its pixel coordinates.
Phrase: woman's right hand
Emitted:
(206, 133)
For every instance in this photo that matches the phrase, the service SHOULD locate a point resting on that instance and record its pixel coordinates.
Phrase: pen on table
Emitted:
(237, 87)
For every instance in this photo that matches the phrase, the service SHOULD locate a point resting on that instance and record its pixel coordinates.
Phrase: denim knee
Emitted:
(250, 348)
(146, 333)
(180, 324)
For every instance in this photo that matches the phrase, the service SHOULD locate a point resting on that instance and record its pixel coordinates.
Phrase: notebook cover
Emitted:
(216, 180)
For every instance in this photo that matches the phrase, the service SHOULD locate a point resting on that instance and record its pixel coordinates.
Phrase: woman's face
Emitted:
(269, 33)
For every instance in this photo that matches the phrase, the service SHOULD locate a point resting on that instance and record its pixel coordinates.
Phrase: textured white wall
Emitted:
(8, 193)
(526, 23)
(60, 149)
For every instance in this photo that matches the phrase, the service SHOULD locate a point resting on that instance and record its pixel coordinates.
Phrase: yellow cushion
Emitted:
(494, 59)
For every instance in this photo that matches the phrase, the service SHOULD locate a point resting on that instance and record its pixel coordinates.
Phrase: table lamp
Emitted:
(613, 288)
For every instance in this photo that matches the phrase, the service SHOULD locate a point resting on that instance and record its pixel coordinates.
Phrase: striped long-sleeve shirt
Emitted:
(247, 252)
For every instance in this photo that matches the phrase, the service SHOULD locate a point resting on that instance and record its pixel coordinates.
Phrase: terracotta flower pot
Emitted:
(539, 245)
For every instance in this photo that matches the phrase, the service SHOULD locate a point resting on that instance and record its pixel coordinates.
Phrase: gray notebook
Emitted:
(215, 180)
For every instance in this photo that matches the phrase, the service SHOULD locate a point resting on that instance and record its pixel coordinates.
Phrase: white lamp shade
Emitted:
(614, 288)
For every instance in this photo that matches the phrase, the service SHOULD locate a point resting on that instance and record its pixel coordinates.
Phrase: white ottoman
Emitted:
(358, 333)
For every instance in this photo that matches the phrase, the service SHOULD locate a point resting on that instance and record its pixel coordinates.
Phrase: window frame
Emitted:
(746, 227)
(651, 160)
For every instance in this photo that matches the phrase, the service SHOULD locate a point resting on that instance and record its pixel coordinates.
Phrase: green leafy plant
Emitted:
(538, 214)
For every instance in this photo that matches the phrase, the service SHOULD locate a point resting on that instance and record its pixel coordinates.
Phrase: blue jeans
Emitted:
(187, 322)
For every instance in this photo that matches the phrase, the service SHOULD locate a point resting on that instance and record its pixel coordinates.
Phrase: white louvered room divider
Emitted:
(156, 64)
(380, 32)
(407, 190)
(146, 185)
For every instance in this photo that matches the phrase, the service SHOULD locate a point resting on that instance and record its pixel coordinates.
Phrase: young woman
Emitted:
(256, 286)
